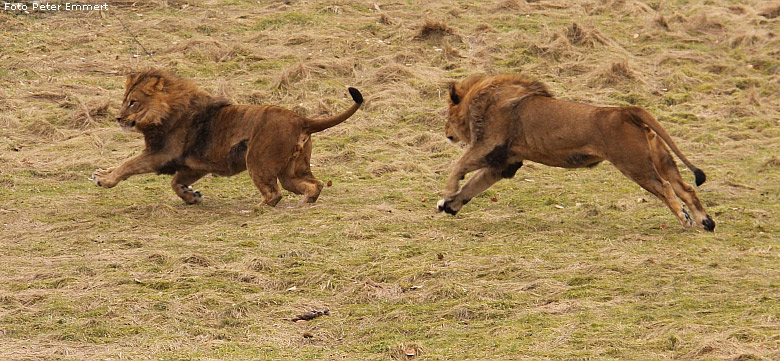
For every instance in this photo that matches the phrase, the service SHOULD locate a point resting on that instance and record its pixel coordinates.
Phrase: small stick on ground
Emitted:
(311, 315)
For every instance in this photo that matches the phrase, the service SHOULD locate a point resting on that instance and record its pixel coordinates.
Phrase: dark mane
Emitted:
(479, 92)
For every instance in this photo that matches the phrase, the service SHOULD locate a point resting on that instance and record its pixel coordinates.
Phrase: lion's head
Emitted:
(457, 128)
(470, 98)
(151, 97)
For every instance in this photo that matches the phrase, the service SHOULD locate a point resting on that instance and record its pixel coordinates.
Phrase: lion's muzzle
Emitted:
(124, 124)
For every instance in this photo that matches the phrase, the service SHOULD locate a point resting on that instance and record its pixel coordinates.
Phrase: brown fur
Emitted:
(507, 119)
(188, 133)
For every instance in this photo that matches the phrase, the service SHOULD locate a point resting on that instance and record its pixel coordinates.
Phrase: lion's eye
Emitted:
(132, 103)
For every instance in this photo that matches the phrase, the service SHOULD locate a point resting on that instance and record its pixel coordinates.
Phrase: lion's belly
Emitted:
(223, 164)
(579, 157)
(572, 160)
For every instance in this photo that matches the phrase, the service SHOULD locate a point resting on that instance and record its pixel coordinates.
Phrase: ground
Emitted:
(551, 265)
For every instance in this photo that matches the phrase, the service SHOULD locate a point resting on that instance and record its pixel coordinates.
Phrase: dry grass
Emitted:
(551, 265)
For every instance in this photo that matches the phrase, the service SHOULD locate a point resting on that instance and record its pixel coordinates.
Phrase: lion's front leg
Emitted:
(142, 163)
(482, 180)
(181, 185)
(470, 161)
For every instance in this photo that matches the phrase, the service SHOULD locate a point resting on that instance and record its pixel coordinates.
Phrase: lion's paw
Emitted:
(190, 196)
(446, 206)
(100, 178)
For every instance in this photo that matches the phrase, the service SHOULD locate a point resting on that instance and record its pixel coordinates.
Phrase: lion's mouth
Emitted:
(127, 126)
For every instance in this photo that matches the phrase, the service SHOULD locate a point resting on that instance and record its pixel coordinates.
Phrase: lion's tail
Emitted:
(318, 125)
(642, 116)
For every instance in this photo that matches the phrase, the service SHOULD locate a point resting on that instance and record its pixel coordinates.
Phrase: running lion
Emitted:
(506, 119)
(189, 133)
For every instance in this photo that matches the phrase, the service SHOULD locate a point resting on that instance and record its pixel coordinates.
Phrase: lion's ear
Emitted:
(160, 84)
(131, 78)
(454, 95)
(154, 84)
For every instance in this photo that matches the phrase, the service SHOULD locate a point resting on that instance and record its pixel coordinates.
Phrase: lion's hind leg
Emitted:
(265, 182)
(298, 180)
(307, 185)
(267, 155)
(181, 185)
(666, 166)
(297, 176)
(638, 165)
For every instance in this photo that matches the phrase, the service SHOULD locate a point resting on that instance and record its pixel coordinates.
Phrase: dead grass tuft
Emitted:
(753, 97)
(368, 291)
(613, 74)
(771, 12)
(485, 28)
(262, 264)
(87, 116)
(209, 49)
(8, 121)
(142, 4)
(580, 36)
(747, 357)
(235, 312)
(158, 258)
(194, 44)
(556, 48)
(44, 129)
(54, 97)
(660, 20)
(512, 5)
(737, 9)
(392, 73)
(704, 24)
(749, 38)
(197, 260)
(773, 162)
(302, 72)
(434, 30)
(384, 19)
(450, 53)
(623, 7)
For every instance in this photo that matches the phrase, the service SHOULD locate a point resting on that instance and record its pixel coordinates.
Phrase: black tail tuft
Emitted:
(700, 177)
(356, 96)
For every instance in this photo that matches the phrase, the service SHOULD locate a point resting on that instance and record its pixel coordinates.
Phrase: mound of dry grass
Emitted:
(613, 74)
(304, 71)
(774, 162)
(87, 116)
(704, 23)
(771, 11)
(45, 130)
(435, 31)
(580, 36)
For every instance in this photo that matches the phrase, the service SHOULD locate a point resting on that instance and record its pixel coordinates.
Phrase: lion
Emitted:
(507, 119)
(189, 133)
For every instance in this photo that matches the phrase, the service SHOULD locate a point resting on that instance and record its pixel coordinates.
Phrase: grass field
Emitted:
(551, 265)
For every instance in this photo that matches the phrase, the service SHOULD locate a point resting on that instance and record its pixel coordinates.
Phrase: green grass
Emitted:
(133, 273)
